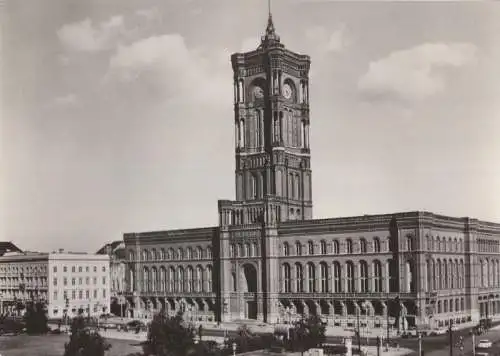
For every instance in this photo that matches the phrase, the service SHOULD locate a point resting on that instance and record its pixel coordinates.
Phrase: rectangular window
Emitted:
(95, 293)
(103, 280)
(80, 280)
(73, 269)
(73, 294)
(104, 293)
(95, 280)
(87, 294)
(80, 269)
(65, 269)
(65, 295)
(87, 280)
(55, 295)
(80, 294)
(55, 269)
(104, 268)
(87, 269)
(55, 281)
(73, 281)
(65, 281)
(95, 268)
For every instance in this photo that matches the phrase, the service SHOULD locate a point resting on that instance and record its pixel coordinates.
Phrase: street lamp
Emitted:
(234, 349)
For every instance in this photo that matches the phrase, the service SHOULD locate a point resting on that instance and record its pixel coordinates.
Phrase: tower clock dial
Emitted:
(258, 92)
(287, 91)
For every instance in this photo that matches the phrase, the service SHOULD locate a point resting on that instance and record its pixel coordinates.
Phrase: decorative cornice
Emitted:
(197, 234)
(406, 220)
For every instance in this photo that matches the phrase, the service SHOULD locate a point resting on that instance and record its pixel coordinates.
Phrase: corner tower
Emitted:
(271, 112)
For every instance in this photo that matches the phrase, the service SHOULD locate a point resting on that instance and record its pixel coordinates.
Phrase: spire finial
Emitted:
(270, 25)
(270, 35)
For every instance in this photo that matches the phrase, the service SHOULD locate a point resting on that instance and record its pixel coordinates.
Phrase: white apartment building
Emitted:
(70, 283)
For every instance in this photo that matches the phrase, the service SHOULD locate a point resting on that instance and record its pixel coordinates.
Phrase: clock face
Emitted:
(287, 91)
(258, 92)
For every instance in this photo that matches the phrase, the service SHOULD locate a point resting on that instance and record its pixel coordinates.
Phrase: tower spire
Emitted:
(271, 35)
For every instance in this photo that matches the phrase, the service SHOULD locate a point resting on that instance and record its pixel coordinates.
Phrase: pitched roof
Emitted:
(7, 246)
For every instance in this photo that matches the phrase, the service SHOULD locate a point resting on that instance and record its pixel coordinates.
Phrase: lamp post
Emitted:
(234, 349)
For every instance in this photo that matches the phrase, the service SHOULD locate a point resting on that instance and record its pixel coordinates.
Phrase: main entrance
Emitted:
(250, 296)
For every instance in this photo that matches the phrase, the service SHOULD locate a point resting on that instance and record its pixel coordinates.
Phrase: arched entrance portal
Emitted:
(250, 288)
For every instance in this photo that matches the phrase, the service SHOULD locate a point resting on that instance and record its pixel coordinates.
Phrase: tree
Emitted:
(170, 336)
(309, 333)
(84, 341)
(36, 319)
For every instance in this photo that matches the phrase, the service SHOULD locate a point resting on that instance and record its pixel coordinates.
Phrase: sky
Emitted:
(117, 115)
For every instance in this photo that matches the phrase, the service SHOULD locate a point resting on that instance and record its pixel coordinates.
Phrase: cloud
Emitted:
(64, 100)
(325, 41)
(415, 73)
(150, 14)
(167, 66)
(85, 36)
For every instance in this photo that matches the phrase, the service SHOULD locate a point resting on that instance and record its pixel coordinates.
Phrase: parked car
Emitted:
(11, 326)
(484, 344)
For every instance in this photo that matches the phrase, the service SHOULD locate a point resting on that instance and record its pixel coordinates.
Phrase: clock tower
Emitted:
(273, 176)
(271, 117)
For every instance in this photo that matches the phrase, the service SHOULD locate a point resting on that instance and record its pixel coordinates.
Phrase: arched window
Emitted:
(154, 279)
(171, 254)
(377, 276)
(247, 250)
(209, 279)
(362, 245)
(209, 252)
(189, 275)
(376, 244)
(287, 283)
(337, 278)
(255, 249)
(409, 243)
(286, 249)
(235, 283)
(439, 279)
(324, 277)
(145, 255)
(445, 277)
(253, 186)
(335, 247)
(351, 287)
(311, 277)
(189, 253)
(299, 278)
(241, 250)
(310, 248)
(162, 254)
(363, 275)
(199, 253)
(232, 251)
(163, 279)
(131, 255)
(298, 249)
(180, 279)
(180, 254)
(145, 277)
(172, 279)
(199, 279)
(348, 246)
(323, 247)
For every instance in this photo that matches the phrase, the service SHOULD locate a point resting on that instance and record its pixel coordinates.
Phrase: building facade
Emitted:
(117, 266)
(69, 283)
(269, 260)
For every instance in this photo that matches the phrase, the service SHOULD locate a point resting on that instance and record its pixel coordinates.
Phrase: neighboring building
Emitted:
(116, 252)
(67, 282)
(7, 246)
(268, 260)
